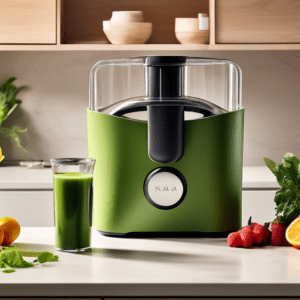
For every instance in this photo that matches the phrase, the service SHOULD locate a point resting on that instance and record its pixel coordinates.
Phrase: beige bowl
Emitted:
(127, 16)
(129, 33)
(196, 37)
(186, 24)
(106, 24)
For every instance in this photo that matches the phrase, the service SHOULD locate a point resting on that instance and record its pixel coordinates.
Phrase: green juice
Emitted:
(72, 210)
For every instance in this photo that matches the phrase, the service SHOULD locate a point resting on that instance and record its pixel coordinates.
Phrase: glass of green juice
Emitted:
(73, 201)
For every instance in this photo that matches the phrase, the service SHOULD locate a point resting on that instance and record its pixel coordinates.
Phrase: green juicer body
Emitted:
(211, 165)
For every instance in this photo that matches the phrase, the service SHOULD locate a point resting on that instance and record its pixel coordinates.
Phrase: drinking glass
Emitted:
(73, 193)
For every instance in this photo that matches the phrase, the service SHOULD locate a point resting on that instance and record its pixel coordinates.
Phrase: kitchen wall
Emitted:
(54, 106)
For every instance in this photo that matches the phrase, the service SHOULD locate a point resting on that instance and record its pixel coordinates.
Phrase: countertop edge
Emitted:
(151, 290)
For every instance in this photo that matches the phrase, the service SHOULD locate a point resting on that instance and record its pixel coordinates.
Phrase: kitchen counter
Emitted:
(22, 178)
(154, 267)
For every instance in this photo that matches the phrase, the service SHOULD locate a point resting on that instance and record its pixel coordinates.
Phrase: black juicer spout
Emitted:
(165, 123)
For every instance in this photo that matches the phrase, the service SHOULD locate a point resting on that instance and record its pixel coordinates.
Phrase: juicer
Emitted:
(167, 136)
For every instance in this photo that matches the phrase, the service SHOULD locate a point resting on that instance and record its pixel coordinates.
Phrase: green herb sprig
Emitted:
(287, 199)
(8, 103)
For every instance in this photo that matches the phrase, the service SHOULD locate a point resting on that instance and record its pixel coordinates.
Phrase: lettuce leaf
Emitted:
(287, 199)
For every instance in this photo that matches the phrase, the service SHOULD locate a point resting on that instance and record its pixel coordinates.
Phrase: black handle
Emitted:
(165, 133)
(165, 124)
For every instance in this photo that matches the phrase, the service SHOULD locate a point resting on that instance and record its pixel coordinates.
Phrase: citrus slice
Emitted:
(1, 156)
(292, 233)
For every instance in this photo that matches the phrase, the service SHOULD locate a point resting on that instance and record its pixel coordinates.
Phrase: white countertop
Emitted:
(154, 267)
(23, 178)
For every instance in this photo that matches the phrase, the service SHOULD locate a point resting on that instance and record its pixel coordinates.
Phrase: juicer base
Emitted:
(181, 234)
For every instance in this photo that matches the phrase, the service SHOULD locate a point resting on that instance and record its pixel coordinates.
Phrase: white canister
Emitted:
(203, 21)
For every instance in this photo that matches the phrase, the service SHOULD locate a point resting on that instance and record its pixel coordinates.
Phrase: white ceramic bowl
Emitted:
(127, 16)
(186, 24)
(106, 24)
(196, 37)
(129, 33)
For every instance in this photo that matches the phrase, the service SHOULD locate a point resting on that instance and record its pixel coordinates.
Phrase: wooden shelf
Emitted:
(149, 47)
(79, 26)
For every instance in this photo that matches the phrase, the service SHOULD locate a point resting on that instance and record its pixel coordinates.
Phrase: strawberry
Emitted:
(234, 239)
(246, 236)
(267, 237)
(259, 233)
(278, 235)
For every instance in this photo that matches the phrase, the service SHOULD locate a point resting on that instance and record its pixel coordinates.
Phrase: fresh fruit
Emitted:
(278, 235)
(292, 233)
(258, 233)
(1, 155)
(234, 239)
(11, 229)
(1, 236)
(261, 234)
(268, 235)
(246, 236)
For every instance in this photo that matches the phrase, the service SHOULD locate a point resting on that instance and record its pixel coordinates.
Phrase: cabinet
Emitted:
(257, 21)
(30, 208)
(78, 26)
(27, 22)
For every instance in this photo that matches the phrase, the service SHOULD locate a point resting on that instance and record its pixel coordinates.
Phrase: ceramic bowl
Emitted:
(127, 16)
(186, 24)
(106, 24)
(196, 37)
(129, 33)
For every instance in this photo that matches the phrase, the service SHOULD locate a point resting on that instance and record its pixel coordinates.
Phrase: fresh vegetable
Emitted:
(278, 234)
(10, 257)
(287, 198)
(293, 233)
(11, 229)
(8, 103)
(8, 271)
(46, 257)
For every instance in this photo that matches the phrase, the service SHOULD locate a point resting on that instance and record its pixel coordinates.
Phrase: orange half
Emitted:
(292, 233)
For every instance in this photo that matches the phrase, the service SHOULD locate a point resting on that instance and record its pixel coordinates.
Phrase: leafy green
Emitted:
(12, 132)
(10, 257)
(287, 199)
(8, 271)
(8, 103)
(46, 257)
